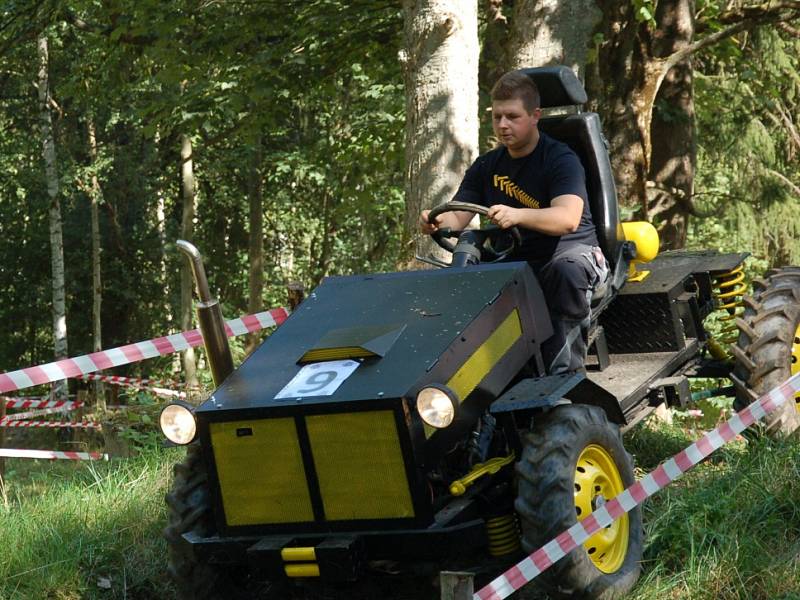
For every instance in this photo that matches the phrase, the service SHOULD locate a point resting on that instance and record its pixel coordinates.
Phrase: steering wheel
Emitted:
(488, 255)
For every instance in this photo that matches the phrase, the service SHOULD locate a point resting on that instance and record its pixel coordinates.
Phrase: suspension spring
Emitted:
(730, 287)
(503, 534)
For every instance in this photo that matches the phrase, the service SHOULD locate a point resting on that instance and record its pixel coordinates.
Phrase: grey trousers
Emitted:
(568, 280)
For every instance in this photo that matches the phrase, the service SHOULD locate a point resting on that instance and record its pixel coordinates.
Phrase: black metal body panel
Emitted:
(659, 313)
(536, 392)
(437, 320)
(524, 295)
(436, 307)
(546, 392)
(408, 544)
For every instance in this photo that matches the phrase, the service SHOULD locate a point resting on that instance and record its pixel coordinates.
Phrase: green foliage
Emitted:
(137, 424)
(310, 104)
(747, 187)
(645, 12)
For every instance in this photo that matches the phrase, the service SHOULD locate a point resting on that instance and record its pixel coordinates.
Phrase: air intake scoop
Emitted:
(354, 342)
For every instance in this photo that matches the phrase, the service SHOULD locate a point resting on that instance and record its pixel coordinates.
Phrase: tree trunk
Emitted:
(161, 227)
(493, 60)
(674, 151)
(96, 195)
(613, 81)
(187, 233)
(440, 64)
(256, 242)
(56, 238)
(551, 32)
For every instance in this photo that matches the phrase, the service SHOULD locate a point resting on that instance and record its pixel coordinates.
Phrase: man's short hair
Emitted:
(515, 84)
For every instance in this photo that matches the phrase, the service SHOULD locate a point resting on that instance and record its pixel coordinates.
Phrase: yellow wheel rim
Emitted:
(597, 480)
(795, 367)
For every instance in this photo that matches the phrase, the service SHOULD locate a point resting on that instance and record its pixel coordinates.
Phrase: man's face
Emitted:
(513, 126)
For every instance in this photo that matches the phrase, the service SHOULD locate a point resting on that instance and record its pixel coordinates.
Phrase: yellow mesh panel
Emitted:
(261, 475)
(360, 466)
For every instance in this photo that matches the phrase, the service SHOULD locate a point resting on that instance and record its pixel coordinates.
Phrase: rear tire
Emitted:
(768, 349)
(550, 474)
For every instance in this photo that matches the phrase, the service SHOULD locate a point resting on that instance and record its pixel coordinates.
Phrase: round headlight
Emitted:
(437, 406)
(177, 423)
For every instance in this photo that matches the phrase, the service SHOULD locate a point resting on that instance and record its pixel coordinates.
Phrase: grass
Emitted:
(729, 529)
(84, 530)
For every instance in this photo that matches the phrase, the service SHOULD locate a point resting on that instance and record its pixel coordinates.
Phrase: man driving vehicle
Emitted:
(537, 184)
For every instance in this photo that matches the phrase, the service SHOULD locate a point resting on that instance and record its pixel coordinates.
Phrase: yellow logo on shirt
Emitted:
(509, 188)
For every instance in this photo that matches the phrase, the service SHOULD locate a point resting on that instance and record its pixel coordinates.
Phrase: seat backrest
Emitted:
(558, 86)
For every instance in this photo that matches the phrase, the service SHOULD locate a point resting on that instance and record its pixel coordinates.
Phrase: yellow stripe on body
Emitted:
(483, 360)
(487, 355)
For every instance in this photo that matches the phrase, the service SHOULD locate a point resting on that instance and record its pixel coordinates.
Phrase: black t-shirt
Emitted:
(532, 181)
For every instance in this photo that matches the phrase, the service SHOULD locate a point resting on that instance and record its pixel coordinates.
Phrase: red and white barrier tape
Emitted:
(105, 359)
(667, 472)
(130, 382)
(34, 414)
(51, 454)
(50, 424)
(135, 382)
(35, 402)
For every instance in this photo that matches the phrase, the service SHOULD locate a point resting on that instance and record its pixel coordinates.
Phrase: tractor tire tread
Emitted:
(546, 477)
(763, 351)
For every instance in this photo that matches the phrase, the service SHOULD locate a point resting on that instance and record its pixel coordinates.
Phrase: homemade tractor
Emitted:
(400, 421)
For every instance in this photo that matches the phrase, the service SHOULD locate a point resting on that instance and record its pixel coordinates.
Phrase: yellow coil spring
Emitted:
(730, 289)
(503, 533)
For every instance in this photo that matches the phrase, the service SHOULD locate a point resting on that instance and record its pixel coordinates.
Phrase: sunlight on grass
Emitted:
(93, 525)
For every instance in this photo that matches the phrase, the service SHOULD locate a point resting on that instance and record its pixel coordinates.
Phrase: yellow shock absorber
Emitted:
(730, 288)
(503, 534)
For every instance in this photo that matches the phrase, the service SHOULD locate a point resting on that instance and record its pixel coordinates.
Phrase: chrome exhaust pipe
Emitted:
(209, 316)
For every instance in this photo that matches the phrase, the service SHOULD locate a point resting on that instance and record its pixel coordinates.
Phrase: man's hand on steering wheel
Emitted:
(425, 226)
(504, 216)
(440, 234)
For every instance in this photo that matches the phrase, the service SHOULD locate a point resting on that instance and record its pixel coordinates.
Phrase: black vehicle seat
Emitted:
(559, 87)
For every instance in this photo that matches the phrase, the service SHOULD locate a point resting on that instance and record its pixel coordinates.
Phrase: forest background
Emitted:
(290, 141)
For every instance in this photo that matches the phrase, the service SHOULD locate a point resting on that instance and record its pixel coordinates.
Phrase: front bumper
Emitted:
(338, 556)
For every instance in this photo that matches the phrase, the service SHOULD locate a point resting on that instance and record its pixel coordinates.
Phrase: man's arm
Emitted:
(562, 217)
(454, 220)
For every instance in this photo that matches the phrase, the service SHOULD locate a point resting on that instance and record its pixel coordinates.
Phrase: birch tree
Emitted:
(56, 236)
(187, 233)
(255, 238)
(440, 62)
(96, 195)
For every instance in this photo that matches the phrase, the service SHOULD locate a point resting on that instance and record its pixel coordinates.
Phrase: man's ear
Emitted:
(536, 115)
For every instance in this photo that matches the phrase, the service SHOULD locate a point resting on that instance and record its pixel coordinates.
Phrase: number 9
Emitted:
(317, 382)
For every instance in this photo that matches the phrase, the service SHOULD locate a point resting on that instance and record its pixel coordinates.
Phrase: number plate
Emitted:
(318, 379)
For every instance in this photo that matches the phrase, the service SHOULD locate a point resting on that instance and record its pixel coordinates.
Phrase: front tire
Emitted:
(572, 461)
(768, 349)
(190, 510)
